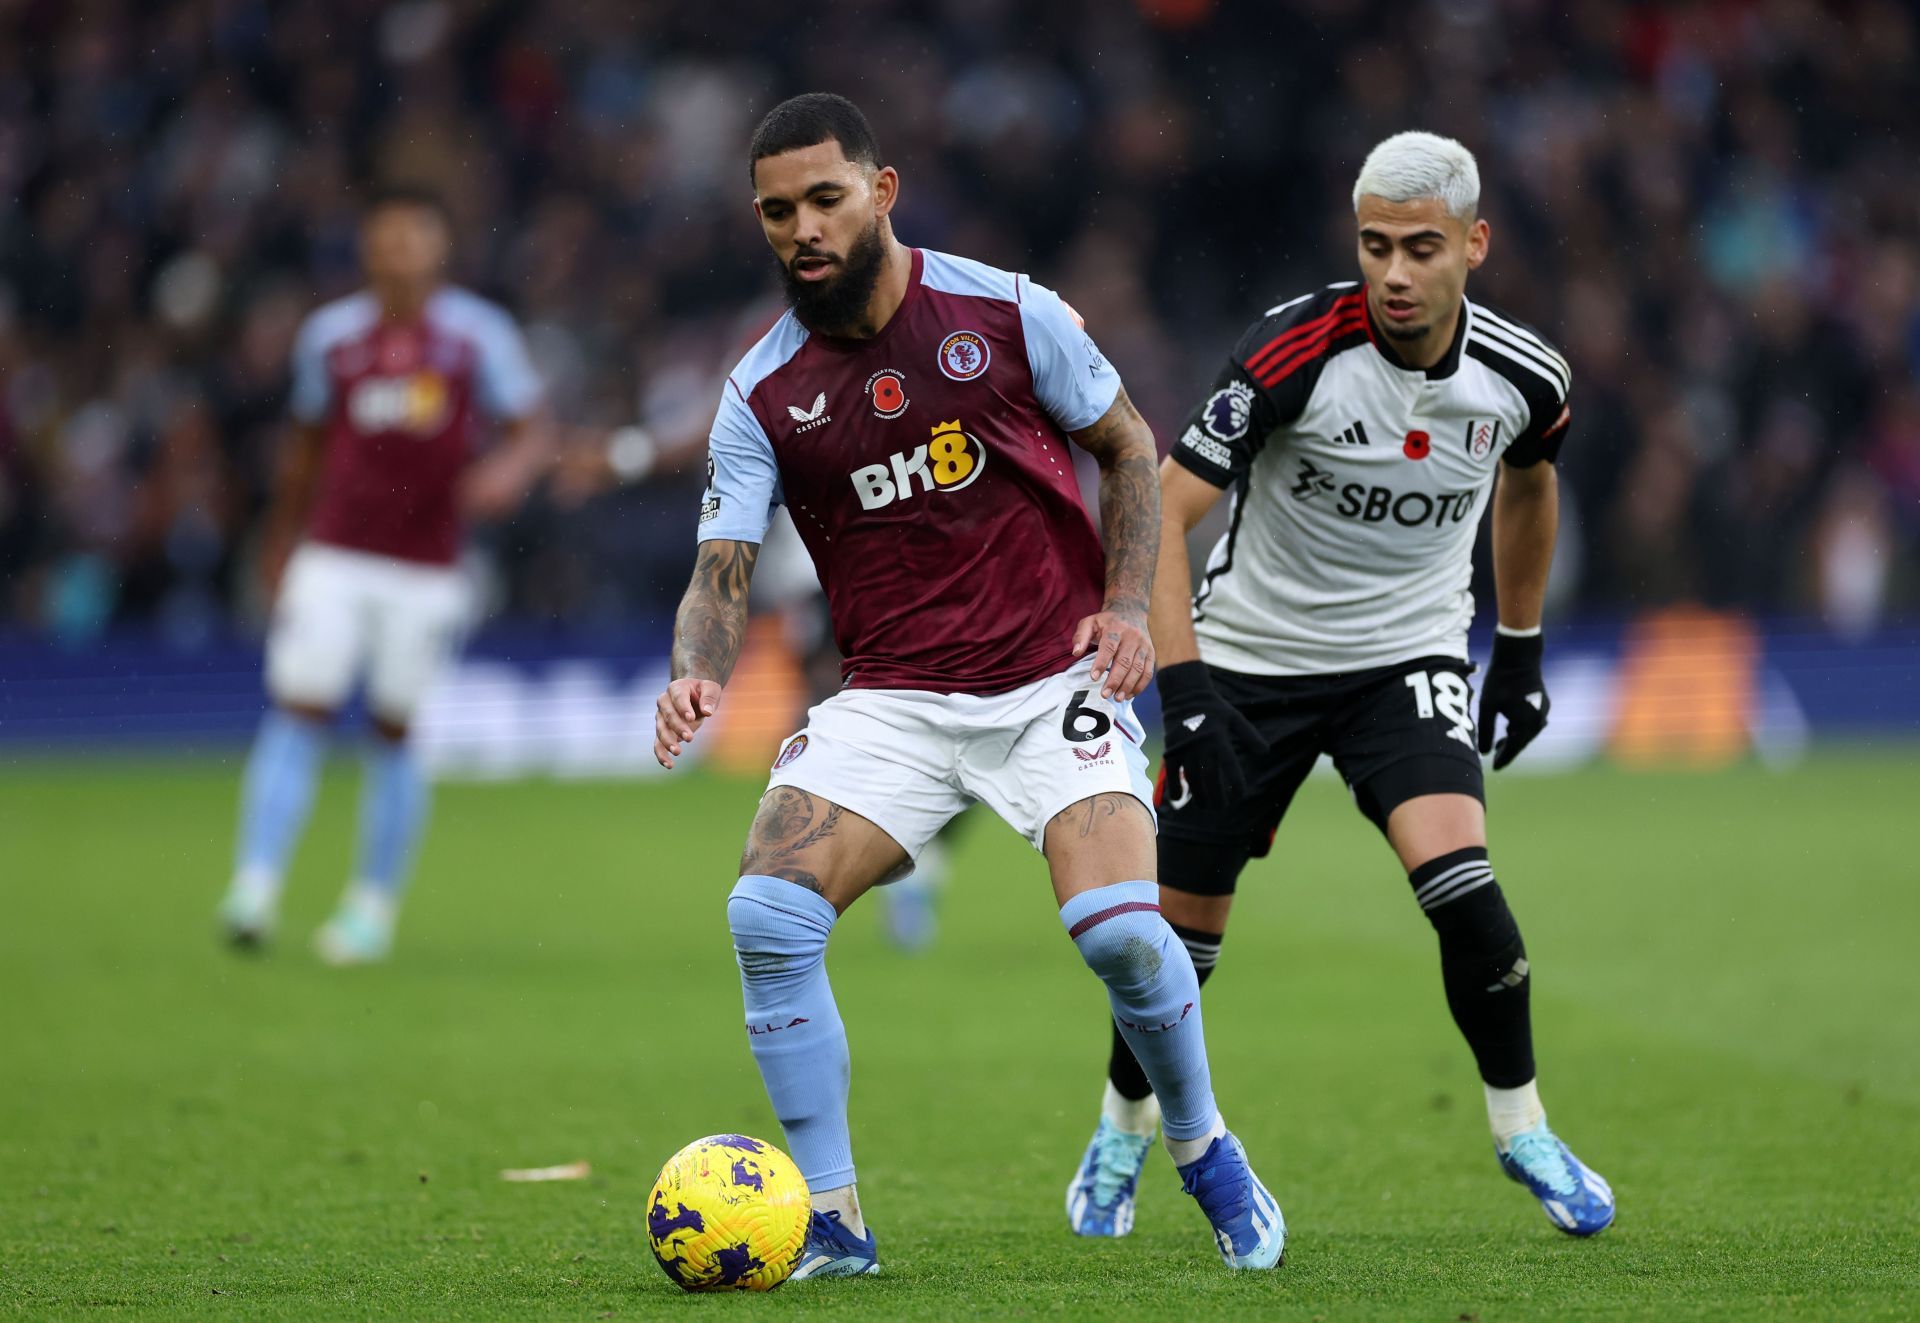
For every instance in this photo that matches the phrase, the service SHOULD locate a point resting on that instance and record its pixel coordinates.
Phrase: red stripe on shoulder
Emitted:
(1278, 347)
(1303, 352)
(1275, 347)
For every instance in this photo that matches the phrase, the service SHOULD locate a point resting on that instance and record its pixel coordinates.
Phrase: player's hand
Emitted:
(580, 473)
(1516, 691)
(1124, 654)
(275, 552)
(1206, 738)
(680, 711)
(492, 489)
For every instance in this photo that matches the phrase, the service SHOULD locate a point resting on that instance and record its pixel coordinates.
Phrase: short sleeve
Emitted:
(1541, 440)
(1072, 379)
(1263, 386)
(312, 391)
(743, 481)
(509, 385)
(1226, 430)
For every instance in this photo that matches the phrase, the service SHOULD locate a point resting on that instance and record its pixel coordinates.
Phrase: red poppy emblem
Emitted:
(1418, 445)
(888, 391)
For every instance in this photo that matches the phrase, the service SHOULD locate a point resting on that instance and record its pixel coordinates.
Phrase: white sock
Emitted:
(1183, 1151)
(846, 1202)
(1135, 1116)
(1513, 1112)
(376, 903)
(257, 885)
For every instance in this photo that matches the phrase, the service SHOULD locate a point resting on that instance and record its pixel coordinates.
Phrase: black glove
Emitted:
(1205, 739)
(1516, 691)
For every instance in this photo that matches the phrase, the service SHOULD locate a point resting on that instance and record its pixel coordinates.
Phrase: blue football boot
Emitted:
(1576, 1198)
(1246, 1221)
(1100, 1196)
(834, 1251)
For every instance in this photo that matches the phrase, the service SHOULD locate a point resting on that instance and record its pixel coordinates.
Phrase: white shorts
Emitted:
(908, 760)
(346, 616)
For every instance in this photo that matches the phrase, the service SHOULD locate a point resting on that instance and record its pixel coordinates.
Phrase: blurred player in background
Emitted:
(392, 390)
(913, 411)
(1360, 429)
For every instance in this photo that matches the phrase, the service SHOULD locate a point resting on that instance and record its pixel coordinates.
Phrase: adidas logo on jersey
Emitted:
(1195, 722)
(1353, 436)
(952, 459)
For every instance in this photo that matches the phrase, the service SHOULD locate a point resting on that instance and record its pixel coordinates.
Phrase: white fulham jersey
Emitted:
(1358, 482)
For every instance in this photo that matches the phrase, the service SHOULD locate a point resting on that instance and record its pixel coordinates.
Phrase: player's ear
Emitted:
(1479, 236)
(886, 190)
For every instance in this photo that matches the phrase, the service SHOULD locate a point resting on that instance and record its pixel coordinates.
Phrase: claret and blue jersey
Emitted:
(403, 404)
(928, 471)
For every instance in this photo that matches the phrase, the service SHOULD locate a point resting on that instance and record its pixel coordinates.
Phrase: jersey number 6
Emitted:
(1082, 723)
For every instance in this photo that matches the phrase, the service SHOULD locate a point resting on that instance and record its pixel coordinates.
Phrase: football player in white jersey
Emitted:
(1360, 430)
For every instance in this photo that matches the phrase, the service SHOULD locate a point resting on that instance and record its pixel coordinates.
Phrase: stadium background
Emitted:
(1711, 207)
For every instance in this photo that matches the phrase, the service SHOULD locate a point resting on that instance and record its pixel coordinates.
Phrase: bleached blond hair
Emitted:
(1410, 166)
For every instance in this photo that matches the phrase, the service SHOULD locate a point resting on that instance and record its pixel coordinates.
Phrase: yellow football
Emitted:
(729, 1213)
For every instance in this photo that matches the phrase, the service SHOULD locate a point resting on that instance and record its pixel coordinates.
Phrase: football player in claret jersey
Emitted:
(1360, 430)
(914, 411)
(392, 388)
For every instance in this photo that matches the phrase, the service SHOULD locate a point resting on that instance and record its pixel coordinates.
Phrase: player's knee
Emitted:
(394, 730)
(1129, 945)
(779, 930)
(1205, 873)
(1478, 934)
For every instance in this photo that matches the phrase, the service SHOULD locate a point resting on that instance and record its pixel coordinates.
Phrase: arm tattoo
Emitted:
(712, 620)
(1129, 503)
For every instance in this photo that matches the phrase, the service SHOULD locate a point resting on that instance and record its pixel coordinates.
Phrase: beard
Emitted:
(1393, 332)
(840, 301)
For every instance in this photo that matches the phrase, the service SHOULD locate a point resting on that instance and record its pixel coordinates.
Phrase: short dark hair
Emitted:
(407, 194)
(810, 119)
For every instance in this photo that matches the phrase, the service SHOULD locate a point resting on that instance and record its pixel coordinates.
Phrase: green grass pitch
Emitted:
(1727, 1009)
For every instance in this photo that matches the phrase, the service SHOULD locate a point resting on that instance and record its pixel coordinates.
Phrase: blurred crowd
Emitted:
(1712, 207)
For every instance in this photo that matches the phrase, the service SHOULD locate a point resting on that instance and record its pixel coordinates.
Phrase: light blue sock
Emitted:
(1154, 993)
(780, 932)
(276, 794)
(393, 808)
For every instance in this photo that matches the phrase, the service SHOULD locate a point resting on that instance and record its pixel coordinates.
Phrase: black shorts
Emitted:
(1393, 732)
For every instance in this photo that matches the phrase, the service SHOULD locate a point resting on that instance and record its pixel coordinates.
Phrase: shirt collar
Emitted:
(1449, 362)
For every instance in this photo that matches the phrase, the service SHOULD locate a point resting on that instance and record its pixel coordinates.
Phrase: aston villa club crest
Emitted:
(964, 355)
(795, 747)
(1482, 436)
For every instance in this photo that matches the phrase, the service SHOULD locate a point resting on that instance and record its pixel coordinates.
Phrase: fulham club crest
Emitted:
(1482, 437)
(964, 355)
